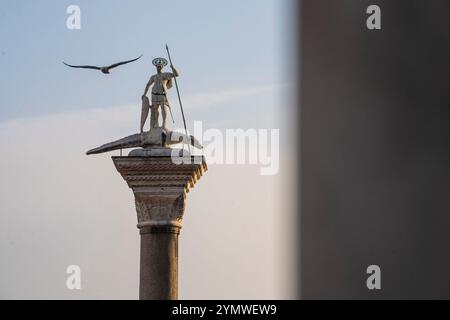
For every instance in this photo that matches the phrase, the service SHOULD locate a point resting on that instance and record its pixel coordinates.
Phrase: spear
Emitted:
(179, 99)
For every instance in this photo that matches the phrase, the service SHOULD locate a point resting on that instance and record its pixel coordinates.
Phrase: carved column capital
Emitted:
(160, 187)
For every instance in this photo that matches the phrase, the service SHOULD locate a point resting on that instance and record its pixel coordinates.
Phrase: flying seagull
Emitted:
(105, 70)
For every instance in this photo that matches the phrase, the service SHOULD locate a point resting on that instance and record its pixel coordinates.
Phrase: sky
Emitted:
(59, 207)
(216, 46)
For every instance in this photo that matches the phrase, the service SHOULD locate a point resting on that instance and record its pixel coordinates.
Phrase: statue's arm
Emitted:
(175, 72)
(149, 83)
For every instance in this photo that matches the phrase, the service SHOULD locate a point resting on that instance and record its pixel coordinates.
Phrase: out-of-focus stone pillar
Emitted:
(160, 187)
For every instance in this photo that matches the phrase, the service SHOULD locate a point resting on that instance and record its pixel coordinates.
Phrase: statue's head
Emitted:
(159, 63)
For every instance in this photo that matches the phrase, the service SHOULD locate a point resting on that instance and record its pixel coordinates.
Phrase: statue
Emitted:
(157, 136)
(161, 81)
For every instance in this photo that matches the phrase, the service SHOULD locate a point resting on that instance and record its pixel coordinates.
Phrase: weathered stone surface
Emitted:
(159, 265)
(159, 186)
(156, 137)
(157, 152)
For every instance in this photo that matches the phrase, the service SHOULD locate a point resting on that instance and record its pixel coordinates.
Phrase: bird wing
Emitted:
(85, 67)
(123, 62)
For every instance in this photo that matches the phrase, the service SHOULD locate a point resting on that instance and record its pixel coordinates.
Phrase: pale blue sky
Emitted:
(217, 45)
(76, 209)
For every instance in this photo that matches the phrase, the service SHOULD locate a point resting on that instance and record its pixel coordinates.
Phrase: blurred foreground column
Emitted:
(160, 187)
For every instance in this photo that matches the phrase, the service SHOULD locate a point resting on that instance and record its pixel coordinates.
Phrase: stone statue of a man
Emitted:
(161, 81)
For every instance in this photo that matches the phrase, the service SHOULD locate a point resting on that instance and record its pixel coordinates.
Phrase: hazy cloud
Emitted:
(60, 207)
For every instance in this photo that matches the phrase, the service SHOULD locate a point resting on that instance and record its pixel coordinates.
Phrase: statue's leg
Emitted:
(164, 114)
(155, 112)
(144, 114)
(152, 117)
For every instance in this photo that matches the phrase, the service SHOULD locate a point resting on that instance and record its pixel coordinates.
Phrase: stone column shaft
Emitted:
(158, 278)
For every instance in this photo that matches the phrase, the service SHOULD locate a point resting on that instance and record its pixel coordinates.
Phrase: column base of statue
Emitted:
(159, 186)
